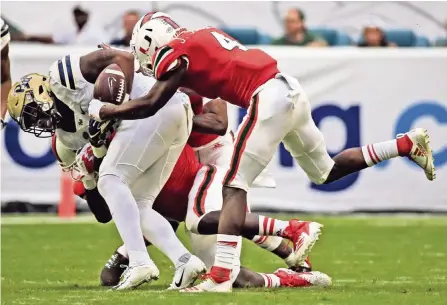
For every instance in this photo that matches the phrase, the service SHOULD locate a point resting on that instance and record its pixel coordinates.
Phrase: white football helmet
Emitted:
(151, 32)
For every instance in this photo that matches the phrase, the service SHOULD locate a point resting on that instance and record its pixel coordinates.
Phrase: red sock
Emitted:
(404, 145)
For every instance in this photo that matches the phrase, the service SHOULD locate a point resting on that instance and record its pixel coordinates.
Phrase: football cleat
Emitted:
(136, 276)
(113, 269)
(209, 285)
(188, 269)
(289, 278)
(303, 267)
(303, 234)
(421, 152)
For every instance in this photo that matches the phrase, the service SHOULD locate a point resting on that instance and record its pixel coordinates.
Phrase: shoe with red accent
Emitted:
(303, 234)
(218, 280)
(420, 152)
(289, 278)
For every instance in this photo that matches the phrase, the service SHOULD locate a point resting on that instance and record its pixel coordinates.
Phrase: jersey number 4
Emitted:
(227, 43)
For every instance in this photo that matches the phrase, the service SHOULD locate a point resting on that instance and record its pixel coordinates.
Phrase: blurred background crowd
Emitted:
(373, 26)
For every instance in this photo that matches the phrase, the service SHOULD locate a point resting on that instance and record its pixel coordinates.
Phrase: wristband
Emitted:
(93, 109)
(100, 151)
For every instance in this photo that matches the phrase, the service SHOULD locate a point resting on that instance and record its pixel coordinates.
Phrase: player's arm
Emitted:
(214, 118)
(5, 81)
(147, 106)
(93, 63)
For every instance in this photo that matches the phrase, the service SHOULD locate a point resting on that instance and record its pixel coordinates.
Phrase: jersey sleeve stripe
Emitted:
(157, 70)
(5, 31)
(61, 73)
(159, 55)
(69, 72)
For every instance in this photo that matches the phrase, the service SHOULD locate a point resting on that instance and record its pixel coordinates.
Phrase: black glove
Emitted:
(99, 132)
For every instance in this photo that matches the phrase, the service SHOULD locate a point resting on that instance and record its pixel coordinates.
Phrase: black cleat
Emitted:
(113, 269)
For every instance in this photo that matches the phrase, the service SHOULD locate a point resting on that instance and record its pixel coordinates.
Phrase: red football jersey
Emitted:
(172, 202)
(218, 65)
(198, 139)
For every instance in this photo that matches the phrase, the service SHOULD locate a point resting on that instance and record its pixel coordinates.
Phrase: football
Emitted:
(111, 85)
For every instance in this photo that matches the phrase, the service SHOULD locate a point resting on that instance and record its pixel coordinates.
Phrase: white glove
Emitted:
(85, 161)
(93, 109)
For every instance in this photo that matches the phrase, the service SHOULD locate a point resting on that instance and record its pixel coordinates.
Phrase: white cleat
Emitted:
(421, 152)
(135, 276)
(304, 235)
(209, 285)
(188, 269)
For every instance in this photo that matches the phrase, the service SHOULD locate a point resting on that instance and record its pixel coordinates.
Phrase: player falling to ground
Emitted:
(5, 71)
(214, 64)
(43, 105)
(193, 193)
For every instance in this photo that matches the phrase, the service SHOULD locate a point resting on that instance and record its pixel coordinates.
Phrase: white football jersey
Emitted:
(4, 33)
(73, 95)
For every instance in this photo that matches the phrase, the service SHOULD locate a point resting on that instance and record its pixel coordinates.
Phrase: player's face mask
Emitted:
(30, 104)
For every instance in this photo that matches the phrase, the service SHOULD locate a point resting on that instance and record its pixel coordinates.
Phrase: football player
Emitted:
(43, 105)
(5, 71)
(214, 64)
(190, 195)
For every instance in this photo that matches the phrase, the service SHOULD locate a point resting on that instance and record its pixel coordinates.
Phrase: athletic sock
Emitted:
(123, 251)
(271, 226)
(270, 280)
(125, 214)
(227, 257)
(159, 232)
(269, 243)
(375, 153)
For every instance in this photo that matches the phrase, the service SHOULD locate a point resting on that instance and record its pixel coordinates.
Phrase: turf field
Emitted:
(372, 260)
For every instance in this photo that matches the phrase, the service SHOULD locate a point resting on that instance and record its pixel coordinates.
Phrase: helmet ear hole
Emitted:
(40, 89)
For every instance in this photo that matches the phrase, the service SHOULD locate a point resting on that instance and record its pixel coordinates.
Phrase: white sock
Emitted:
(123, 251)
(271, 226)
(228, 251)
(270, 280)
(159, 232)
(375, 153)
(125, 214)
(269, 243)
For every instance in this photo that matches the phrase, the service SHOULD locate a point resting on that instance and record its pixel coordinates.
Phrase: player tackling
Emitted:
(213, 64)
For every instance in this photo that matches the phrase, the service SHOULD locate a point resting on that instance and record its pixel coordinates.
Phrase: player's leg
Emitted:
(155, 227)
(144, 143)
(204, 246)
(306, 144)
(259, 135)
(119, 169)
(256, 228)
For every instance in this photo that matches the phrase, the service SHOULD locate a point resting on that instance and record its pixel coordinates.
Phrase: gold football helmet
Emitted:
(31, 105)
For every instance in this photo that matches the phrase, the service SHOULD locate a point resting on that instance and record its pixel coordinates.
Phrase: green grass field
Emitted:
(372, 260)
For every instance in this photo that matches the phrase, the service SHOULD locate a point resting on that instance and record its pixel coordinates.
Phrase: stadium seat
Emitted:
(421, 41)
(441, 42)
(343, 39)
(403, 38)
(265, 39)
(248, 36)
(329, 35)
